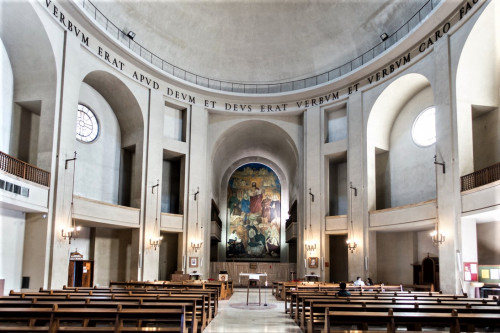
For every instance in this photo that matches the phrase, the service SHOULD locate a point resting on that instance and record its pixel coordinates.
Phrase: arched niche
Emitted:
(392, 153)
(130, 120)
(477, 84)
(34, 85)
(258, 138)
(284, 201)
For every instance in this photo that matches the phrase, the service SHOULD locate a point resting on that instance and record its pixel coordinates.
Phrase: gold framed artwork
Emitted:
(193, 261)
(312, 262)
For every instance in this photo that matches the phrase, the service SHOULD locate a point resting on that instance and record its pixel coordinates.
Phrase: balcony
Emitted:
(24, 170)
(481, 177)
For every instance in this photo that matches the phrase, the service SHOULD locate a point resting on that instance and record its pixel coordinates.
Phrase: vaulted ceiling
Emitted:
(259, 40)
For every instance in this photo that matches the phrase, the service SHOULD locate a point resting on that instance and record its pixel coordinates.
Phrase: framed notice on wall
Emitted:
(470, 271)
(489, 273)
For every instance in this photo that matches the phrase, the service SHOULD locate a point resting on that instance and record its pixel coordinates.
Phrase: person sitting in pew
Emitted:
(359, 282)
(369, 282)
(342, 291)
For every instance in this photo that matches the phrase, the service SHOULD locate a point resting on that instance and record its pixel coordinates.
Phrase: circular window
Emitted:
(87, 127)
(424, 128)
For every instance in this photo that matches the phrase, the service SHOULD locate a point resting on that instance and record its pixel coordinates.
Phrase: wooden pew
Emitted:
(207, 299)
(56, 319)
(392, 320)
(197, 305)
(308, 303)
(298, 298)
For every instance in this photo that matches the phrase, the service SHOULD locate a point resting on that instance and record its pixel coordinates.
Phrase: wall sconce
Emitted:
(196, 245)
(71, 233)
(310, 246)
(384, 36)
(155, 241)
(351, 245)
(131, 34)
(438, 237)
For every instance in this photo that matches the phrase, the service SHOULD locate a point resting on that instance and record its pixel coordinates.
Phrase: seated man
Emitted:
(342, 291)
(359, 282)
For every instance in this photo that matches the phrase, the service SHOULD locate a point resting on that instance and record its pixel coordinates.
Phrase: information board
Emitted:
(489, 273)
(470, 271)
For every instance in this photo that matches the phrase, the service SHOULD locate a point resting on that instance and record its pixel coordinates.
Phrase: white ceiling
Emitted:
(258, 40)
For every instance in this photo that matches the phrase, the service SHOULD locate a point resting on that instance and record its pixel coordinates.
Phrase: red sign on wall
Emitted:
(470, 271)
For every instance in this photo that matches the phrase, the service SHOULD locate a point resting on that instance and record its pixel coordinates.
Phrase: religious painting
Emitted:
(254, 214)
(193, 261)
(312, 262)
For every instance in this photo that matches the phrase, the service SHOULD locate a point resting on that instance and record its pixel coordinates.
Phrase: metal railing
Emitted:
(257, 88)
(480, 177)
(24, 170)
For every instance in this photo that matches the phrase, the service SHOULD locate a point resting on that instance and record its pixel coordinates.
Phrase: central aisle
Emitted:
(235, 316)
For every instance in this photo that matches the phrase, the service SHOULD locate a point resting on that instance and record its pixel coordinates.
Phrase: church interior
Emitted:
(284, 151)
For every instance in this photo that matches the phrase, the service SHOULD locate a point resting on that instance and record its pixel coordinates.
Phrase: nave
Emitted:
(235, 316)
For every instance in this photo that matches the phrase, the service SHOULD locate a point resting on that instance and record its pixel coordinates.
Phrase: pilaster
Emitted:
(448, 180)
(198, 194)
(313, 227)
(357, 189)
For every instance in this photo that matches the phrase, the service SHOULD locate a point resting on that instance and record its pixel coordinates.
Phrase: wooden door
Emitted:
(80, 273)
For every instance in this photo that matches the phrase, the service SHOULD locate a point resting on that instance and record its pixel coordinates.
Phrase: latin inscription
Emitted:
(183, 96)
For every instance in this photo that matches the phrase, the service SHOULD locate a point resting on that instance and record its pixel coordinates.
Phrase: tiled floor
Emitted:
(235, 316)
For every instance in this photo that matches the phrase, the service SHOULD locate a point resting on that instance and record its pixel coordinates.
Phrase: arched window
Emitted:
(424, 128)
(87, 126)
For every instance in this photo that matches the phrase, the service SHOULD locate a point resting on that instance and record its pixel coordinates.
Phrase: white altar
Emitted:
(253, 277)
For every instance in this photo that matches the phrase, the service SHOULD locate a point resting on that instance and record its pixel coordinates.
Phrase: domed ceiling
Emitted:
(259, 41)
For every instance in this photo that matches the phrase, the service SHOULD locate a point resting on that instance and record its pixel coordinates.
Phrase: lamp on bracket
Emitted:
(155, 240)
(196, 244)
(310, 246)
(73, 231)
(437, 236)
(351, 242)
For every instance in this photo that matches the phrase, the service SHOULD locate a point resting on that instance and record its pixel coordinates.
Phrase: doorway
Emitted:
(168, 255)
(338, 258)
(81, 273)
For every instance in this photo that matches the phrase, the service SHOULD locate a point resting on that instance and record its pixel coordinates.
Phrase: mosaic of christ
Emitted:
(254, 214)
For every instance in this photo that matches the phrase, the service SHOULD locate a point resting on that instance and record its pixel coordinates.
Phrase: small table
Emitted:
(311, 277)
(253, 277)
(195, 276)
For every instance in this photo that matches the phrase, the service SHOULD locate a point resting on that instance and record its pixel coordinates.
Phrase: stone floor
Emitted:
(235, 316)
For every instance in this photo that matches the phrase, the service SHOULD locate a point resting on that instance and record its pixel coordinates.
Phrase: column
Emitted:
(448, 184)
(62, 174)
(198, 211)
(313, 227)
(358, 193)
(152, 187)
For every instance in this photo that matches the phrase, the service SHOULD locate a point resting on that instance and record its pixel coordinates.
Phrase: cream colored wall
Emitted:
(411, 166)
(98, 162)
(396, 251)
(12, 224)
(488, 246)
(112, 255)
(486, 139)
(6, 94)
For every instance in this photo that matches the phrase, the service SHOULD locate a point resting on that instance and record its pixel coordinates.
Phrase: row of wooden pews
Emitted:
(224, 288)
(283, 290)
(323, 310)
(110, 309)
